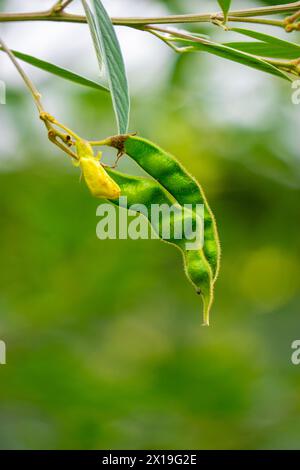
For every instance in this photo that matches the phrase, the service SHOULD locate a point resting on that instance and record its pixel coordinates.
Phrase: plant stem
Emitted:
(31, 87)
(238, 15)
(256, 20)
(176, 33)
(292, 18)
(60, 6)
(49, 118)
(99, 143)
(53, 134)
(165, 40)
(291, 66)
(291, 23)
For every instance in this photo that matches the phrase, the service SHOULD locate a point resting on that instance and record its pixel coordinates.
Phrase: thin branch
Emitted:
(165, 40)
(66, 3)
(240, 15)
(28, 16)
(290, 66)
(291, 23)
(60, 6)
(293, 18)
(207, 17)
(53, 134)
(176, 33)
(257, 20)
(270, 10)
(31, 87)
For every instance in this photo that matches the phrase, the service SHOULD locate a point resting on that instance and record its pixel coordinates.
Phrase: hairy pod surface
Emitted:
(140, 190)
(165, 169)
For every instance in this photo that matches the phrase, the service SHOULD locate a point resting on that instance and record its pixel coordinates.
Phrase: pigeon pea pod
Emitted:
(165, 169)
(145, 191)
(171, 185)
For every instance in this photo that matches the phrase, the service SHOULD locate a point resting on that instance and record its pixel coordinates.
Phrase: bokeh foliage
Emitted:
(104, 338)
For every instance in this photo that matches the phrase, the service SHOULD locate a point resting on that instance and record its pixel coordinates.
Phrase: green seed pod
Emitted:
(139, 190)
(165, 169)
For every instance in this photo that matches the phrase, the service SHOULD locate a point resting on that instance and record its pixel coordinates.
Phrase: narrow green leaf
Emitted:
(225, 5)
(287, 49)
(107, 43)
(229, 53)
(264, 37)
(94, 34)
(58, 71)
(264, 49)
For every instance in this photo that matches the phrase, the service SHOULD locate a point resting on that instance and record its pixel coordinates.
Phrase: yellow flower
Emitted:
(98, 181)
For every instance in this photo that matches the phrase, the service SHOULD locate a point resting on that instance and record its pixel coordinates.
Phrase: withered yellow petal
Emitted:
(98, 181)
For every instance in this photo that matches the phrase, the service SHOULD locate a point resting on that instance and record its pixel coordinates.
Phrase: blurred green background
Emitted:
(105, 347)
